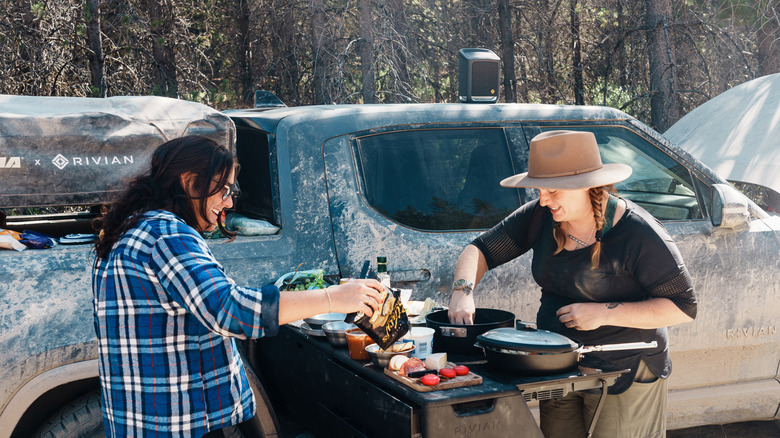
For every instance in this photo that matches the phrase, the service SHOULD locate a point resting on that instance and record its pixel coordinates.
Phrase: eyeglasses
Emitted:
(230, 191)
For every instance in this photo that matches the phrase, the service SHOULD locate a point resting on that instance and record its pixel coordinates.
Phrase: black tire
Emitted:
(81, 418)
(233, 432)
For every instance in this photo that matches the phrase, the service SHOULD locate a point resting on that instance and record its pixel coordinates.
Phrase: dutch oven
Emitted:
(460, 338)
(528, 351)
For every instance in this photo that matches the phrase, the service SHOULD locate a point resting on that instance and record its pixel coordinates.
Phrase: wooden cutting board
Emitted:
(455, 382)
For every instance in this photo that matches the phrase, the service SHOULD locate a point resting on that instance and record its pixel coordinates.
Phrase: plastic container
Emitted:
(422, 337)
(357, 341)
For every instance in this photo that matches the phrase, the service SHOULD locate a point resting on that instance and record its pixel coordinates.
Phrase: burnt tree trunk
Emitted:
(546, 55)
(576, 55)
(367, 52)
(321, 45)
(664, 101)
(522, 87)
(400, 22)
(161, 22)
(769, 43)
(619, 54)
(95, 44)
(507, 51)
(244, 52)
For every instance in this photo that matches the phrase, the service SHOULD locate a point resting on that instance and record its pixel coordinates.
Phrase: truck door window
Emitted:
(256, 177)
(438, 179)
(658, 183)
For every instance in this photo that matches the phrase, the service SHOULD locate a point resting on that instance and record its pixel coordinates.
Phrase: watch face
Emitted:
(461, 283)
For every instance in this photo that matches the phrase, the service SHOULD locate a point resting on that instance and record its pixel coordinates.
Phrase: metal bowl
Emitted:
(317, 321)
(310, 331)
(336, 332)
(381, 358)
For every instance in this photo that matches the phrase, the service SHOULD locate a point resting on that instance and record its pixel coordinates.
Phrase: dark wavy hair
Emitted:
(160, 187)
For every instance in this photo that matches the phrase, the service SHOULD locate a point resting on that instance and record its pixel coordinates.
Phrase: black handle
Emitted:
(524, 325)
(366, 267)
(478, 407)
(422, 373)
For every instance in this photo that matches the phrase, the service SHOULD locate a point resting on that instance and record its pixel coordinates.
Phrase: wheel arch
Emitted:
(44, 394)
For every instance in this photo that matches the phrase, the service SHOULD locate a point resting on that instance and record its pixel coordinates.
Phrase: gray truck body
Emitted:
(304, 169)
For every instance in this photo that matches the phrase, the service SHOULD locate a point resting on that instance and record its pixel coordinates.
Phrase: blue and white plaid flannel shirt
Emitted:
(166, 317)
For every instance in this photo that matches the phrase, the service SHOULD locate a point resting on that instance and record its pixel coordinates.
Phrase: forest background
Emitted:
(654, 59)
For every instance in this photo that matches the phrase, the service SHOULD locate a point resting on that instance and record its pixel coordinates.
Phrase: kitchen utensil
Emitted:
(311, 331)
(336, 332)
(534, 352)
(317, 321)
(382, 358)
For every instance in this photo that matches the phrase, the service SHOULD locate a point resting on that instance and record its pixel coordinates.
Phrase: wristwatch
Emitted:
(463, 285)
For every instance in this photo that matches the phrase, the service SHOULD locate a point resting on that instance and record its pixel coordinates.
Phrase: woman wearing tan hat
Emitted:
(609, 273)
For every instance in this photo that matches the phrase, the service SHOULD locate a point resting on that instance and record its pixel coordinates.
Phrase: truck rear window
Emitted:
(438, 179)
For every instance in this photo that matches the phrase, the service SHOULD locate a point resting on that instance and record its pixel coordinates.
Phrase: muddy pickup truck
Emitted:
(413, 182)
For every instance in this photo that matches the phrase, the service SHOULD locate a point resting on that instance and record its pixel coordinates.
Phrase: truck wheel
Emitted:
(83, 418)
(80, 418)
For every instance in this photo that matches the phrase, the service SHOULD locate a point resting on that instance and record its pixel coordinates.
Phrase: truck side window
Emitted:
(255, 177)
(659, 184)
(438, 179)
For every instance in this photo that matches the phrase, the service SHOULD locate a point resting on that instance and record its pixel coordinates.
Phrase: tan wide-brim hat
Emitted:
(567, 160)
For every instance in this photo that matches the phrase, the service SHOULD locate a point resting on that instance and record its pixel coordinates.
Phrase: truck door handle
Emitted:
(410, 275)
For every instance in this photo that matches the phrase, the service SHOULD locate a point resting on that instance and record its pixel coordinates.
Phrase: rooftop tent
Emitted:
(57, 151)
(737, 133)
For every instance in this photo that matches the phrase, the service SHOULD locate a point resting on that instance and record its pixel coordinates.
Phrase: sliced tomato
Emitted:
(447, 372)
(430, 379)
(461, 370)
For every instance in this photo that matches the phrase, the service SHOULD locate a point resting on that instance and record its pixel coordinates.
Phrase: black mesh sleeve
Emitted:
(678, 289)
(512, 237)
(497, 247)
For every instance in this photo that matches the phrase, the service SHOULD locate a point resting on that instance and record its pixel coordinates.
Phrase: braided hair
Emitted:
(597, 197)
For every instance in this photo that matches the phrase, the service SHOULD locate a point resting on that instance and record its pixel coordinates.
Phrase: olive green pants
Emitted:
(639, 412)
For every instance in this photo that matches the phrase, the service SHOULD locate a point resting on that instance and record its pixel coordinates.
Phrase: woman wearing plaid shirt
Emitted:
(165, 314)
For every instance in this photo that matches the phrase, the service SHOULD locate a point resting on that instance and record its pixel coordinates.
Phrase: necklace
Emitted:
(579, 242)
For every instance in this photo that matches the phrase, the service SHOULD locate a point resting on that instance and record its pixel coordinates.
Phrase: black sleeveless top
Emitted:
(638, 261)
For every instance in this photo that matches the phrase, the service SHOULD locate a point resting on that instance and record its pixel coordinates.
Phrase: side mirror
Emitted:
(729, 208)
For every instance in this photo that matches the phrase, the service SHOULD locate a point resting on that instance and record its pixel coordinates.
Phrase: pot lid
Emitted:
(527, 339)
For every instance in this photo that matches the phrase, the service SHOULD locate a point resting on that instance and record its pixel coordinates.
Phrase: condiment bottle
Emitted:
(381, 272)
